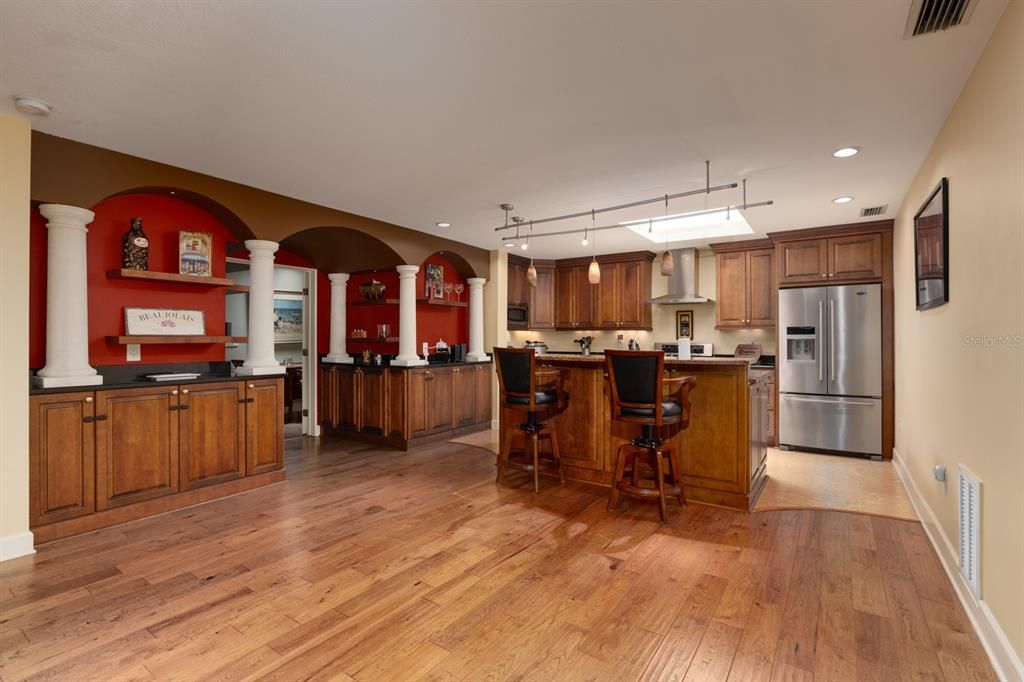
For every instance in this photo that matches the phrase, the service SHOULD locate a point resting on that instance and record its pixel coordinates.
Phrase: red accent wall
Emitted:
(162, 218)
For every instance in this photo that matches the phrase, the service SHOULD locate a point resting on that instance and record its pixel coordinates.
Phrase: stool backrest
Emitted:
(637, 381)
(516, 373)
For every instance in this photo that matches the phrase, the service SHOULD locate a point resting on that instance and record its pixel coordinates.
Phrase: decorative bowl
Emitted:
(372, 290)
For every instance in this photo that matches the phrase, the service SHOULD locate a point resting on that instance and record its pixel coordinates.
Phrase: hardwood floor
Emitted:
(378, 565)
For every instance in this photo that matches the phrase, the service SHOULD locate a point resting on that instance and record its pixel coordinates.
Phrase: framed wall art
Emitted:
(164, 322)
(195, 253)
(433, 277)
(684, 324)
(931, 249)
(288, 318)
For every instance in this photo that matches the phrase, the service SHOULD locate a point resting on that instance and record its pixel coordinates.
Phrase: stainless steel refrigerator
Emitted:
(830, 368)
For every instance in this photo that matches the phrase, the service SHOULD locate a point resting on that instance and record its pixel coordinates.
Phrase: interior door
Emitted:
(803, 341)
(855, 340)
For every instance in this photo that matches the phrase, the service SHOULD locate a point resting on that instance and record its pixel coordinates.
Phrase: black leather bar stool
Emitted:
(540, 395)
(638, 396)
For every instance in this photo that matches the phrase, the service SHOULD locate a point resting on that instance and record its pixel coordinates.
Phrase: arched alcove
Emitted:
(341, 249)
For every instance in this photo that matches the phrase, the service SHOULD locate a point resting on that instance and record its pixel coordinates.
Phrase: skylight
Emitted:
(685, 227)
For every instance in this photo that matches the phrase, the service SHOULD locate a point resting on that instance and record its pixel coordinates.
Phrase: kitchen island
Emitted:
(723, 452)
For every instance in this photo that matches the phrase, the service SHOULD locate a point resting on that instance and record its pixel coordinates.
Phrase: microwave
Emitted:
(518, 317)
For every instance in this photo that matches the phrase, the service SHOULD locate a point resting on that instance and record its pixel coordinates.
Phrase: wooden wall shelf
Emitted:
(150, 276)
(174, 340)
(371, 339)
(419, 301)
(383, 301)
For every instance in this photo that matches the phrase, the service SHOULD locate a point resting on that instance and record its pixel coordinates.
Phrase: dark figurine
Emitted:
(136, 248)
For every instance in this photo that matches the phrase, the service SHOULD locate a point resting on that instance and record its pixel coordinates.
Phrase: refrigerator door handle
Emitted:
(821, 356)
(856, 403)
(832, 337)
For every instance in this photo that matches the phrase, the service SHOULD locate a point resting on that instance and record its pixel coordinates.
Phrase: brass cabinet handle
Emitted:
(184, 391)
(252, 385)
(250, 400)
(241, 400)
(183, 407)
(88, 398)
(172, 408)
(88, 420)
(101, 417)
(174, 392)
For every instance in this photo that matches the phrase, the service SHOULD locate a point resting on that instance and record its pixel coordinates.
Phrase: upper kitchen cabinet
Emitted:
(622, 295)
(542, 297)
(574, 298)
(844, 253)
(746, 290)
(518, 290)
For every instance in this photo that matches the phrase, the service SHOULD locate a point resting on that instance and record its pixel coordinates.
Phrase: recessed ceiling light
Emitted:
(443, 224)
(845, 152)
(33, 106)
(842, 200)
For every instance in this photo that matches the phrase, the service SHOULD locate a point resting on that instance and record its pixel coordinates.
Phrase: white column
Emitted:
(67, 303)
(407, 356)
(476, 320)
(260, 344)
(339, 328)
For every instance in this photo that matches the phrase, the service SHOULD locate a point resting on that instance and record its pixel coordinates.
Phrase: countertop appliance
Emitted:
(539, 347)
(830, 368)
(697, 350)
(518, 317)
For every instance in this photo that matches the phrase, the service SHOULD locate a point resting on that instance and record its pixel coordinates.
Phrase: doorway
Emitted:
(294, 338)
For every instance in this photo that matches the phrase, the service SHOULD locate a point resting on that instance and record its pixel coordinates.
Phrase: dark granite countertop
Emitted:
(432, 365)
(133, 376)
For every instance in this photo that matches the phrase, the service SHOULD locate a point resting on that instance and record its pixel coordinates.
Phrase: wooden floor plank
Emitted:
(378, 565)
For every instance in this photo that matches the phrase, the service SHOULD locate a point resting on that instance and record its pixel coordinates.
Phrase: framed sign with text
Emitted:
(164, 322)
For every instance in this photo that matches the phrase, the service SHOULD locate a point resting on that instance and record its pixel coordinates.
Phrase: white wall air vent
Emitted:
(873, 211)
(970, 530)
(931, 16)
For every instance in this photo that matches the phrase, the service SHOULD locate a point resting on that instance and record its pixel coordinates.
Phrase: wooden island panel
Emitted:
(716, 450)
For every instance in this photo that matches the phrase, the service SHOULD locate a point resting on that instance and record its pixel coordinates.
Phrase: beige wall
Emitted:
(496, 314)
(15, 171)
(664, 321)
(957, 402)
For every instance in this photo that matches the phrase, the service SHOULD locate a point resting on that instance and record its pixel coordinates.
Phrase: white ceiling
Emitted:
(416, 112)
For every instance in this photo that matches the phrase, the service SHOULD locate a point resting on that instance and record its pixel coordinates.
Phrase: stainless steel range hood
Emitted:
(682, 284)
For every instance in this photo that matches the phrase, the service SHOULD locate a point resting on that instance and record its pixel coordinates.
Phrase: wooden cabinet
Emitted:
(542, 299)
(264, 426)
(211, 433)
(61, 457)
(574, 298)
(621, 297)
(372, 399)
(746, 290)
(758, 430)
(136, 434)
(439, 400)
(843, 258)
(463, 396)
(417, 404)
(484, 392)
(518, 290)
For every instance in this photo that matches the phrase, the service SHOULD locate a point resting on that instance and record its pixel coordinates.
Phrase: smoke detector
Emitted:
(32, 106)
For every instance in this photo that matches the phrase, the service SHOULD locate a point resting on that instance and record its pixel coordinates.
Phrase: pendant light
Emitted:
(531, 272)
(667, 264)
(594, 271)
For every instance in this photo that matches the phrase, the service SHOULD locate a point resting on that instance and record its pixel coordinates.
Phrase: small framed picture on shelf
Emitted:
(164, 322)
(433, 278)
(195, 253)
(287, 318)
(684, 324)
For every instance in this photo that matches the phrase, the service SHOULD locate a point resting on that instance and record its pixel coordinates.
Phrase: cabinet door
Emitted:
(372, 400)
(517, 287)
(136, 445)
(61, 457)
(607, 297)
(802, 261)
(419, 417)
(633, 288)
(264, 426)
(346, 391)
(463, 397)
(542, 300)
(211, 433)
(732, 289)
(761, 289)
(565, 298)
(484, 372)
(585, 294)
(398, 401)
(328, 396)
(856, 257)
(439, 400)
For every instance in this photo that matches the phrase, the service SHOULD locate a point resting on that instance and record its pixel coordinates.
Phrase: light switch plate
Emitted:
(133, 352)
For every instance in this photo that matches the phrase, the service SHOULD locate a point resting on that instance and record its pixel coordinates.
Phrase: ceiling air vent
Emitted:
(931, 16)
(873, 211)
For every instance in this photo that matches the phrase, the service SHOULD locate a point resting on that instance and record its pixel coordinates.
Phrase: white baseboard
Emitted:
(19, 544)
(1000, 652)
(494, 425)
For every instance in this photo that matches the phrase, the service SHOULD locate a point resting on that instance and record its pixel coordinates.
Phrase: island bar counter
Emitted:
(723, 451)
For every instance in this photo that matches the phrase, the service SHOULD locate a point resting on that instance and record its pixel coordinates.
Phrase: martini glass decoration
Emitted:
(459, 288)
(448, 286)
